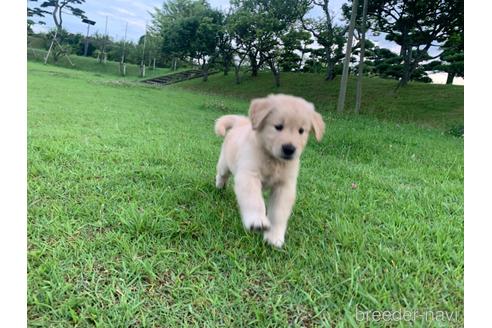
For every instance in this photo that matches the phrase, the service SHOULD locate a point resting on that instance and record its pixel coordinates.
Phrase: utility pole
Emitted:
(346, 61)
(358, 94)
(89, 23)
(122, 63)
(103, 54)
(142, 64)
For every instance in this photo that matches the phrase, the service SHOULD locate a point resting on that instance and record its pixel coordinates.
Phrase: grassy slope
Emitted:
(126, 228)
(425, 104)
(90, 64)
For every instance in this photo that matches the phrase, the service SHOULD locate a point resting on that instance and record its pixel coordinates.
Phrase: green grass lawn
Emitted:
(126, 228)
(428, 105)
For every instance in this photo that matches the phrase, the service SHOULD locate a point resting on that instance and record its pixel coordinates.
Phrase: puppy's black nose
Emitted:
(288, 149)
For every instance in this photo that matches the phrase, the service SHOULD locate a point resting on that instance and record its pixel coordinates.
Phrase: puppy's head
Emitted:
(282, 124)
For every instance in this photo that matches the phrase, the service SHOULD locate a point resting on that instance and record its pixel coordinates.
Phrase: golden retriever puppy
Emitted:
(262, 152)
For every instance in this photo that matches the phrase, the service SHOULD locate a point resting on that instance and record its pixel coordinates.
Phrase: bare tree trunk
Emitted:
(346, 62)
(142, 69)
(254, 65)
(226, 68)
(275, 72)
(205, 71)
(450, 78)
(237, 69)
(358, 95)
(407, 68)
(122, 68)
(330, 71)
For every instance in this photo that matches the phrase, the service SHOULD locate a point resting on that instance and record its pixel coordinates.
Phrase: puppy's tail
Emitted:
(227, 122)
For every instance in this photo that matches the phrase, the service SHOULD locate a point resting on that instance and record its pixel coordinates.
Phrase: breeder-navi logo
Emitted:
(405, 315)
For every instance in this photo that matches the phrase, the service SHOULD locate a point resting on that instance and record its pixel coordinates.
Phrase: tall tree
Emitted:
(189, 28)
(56, 9)
(33, 13)
(344, 79)
(295, 46)
(225, 46)
(453, 57)
(240, 26)
(416, 25)
(330, 36)
(260, 25)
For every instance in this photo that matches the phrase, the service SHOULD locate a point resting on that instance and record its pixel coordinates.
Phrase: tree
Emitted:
(55, 9)
(225, 46)
(328, 35)
(204, 44)
(32, 13)
(344, 79)
(314, 63)
(416, 25)
(383, 62)
(259, 26)
(243, 34)
(189, 29)
(294, 41)
(453, 57)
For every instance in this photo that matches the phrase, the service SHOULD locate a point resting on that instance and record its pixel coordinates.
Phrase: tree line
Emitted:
(280, 36)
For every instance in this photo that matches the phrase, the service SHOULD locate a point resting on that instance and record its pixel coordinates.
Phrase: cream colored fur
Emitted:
(257, 151)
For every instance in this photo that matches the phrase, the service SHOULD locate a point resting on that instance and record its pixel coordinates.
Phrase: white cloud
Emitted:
(124, 11)
(137, 23)
(141, 6)
(440, 78)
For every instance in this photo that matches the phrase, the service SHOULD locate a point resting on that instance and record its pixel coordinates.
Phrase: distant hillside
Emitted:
(428, 105)
(90, 64)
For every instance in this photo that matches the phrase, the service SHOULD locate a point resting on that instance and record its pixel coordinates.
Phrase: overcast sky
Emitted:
(136, 14)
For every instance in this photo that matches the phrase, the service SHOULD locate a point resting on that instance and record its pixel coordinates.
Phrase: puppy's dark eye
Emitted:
(301, 131)
(279, 127)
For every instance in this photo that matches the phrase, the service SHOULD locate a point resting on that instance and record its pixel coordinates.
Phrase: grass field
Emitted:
(126, 228)
(428, 105)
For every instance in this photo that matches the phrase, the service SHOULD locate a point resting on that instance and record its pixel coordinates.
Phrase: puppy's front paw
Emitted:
(273, 239)
(257, 223)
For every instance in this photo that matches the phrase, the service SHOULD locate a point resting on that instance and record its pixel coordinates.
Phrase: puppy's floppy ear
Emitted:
(317, 125)
(258, 111)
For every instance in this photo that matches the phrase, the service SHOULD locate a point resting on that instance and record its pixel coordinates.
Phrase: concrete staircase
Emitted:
(177, 77)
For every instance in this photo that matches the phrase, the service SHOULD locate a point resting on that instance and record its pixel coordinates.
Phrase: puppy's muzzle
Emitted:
(288, 151)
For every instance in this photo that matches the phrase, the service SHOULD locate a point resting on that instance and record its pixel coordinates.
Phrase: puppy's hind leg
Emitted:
(223, 172)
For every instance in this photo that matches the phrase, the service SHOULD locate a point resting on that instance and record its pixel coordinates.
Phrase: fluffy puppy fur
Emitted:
(263, 152)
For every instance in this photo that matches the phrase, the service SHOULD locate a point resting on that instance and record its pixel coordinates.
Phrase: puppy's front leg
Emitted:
(279, 208)
(251, 204)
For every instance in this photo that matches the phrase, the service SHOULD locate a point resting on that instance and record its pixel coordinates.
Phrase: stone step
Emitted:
(176, 77)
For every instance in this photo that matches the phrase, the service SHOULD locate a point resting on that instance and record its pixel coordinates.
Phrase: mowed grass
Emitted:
(126, 228)
(428, 105)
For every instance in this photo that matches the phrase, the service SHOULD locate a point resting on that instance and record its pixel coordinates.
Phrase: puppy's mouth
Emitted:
(287, 157)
